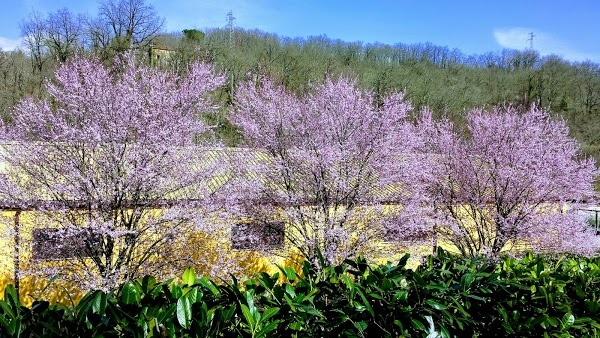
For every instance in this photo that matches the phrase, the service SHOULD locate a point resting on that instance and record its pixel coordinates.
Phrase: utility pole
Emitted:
(530, 40)
(230, 20)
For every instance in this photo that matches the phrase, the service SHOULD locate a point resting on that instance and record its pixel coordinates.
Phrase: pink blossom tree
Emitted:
(510, 183)
(109, 159)
(326, 163)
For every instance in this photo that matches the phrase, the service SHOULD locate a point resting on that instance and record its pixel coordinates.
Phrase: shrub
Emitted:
(445, 296)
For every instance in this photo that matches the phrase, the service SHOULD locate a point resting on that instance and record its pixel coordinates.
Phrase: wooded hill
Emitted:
(445, 80)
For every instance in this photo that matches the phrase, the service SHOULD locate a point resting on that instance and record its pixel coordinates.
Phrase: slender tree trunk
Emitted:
(17, 258)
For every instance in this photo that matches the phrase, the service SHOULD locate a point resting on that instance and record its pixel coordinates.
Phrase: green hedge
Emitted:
(446, 296)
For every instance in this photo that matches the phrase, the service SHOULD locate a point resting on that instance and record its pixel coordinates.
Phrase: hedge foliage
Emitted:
(446, 296)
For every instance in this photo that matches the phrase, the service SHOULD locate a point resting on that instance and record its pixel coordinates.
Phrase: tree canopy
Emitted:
(507, 183)
(107, 149)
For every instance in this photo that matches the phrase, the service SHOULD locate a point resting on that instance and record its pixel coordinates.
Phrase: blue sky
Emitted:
(570, 29)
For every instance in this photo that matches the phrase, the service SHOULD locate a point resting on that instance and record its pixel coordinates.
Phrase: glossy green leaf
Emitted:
(14, 328)
(248, 315)
(360, 325)
(176, 291)
(130, 293)
(189, 277)
(184, 312)
(11, 296)
(290, 274)
(270, 312)
(99, 303)
(264, 332)
(567, 320)
(418, 325)
(8, 310)
(435, 304)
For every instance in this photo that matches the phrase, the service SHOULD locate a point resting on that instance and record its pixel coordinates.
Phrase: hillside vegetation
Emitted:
(444, 80)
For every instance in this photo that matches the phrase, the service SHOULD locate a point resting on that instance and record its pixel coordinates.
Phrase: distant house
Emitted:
(159, 55)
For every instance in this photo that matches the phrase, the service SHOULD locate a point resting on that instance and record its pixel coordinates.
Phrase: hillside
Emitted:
(445, 80)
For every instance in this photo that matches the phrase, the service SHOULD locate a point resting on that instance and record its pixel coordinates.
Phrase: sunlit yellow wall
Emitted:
(513, 246)
(250, 261)
(31, 287)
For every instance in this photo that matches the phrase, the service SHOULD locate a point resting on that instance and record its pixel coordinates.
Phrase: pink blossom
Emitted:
(507, 182)
(111, 150)
(330, 158)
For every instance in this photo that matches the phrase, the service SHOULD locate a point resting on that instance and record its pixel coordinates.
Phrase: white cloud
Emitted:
(514, 38)
(7, 44)
(544, 43)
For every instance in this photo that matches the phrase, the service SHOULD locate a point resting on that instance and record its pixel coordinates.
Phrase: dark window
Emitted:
(51, 244)
(257, 235)
(416, 235)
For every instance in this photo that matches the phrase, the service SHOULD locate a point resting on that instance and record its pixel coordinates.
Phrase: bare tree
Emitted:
(130, 23)
(15, 75)
(34, 31)
(98, 36)
(588, 87)
(63, 33)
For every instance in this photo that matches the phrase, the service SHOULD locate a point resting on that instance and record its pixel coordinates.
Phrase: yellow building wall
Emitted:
(30, 286)
(250, 261)
(58, 291)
